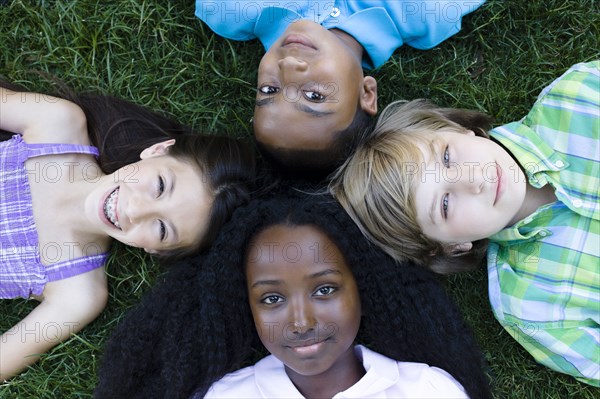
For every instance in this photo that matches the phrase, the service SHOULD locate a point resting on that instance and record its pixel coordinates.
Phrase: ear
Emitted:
(157, 149)
(457, 249)
(368, 97)
(470, 133)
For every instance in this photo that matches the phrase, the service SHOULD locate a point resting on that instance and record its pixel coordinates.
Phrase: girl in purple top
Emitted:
(77, 174)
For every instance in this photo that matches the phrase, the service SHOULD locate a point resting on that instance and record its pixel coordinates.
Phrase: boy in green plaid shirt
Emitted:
(429, 185)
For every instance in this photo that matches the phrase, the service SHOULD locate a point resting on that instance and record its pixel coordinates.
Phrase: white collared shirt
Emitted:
(384, 378)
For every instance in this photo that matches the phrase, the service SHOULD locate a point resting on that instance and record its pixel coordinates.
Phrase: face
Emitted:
(160, 203)
(304, 299)
(469, 189)
(309, 86)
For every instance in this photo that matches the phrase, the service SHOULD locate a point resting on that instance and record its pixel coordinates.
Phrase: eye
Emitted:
(268, 89)
(446, 157)
(323, 291)
(445, 205)
(314, 96)
(161, 186)
(162, 230)
(272, 299)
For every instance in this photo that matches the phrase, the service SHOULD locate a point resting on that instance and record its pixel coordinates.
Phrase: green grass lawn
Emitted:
(163, 57)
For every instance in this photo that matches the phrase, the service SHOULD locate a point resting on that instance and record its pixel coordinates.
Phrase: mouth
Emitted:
(308, 348)
(499, 184)
(298, 41)
(110, 208)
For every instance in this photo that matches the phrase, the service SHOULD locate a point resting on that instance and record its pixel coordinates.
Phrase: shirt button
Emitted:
(335, 12)
(577, 203)
(559, 164)
(543, 233)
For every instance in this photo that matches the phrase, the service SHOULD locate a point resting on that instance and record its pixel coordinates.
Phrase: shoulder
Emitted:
(83, 296)
(239, 384)
(61, 121)
(231, 19)
(576, 92)
(405, 379)
(427, 381)
(575, 79)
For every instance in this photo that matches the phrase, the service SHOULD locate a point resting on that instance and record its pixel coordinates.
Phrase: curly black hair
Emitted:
(196, 325)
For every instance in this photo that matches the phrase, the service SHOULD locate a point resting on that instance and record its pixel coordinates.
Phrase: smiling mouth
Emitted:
(498, 183)
(110, 208)
(298, 40)
(309, 347)
(307, 350)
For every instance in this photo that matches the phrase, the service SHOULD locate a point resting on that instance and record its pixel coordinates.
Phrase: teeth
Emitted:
(110, 208)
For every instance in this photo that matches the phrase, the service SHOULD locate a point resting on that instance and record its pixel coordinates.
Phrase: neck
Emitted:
(344, 373)
(535, 198)
(355, 47)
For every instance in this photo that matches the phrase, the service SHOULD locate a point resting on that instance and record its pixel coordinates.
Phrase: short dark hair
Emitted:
(315, 165)
(196, 325)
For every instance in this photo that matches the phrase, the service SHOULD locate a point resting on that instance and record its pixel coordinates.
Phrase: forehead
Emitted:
(189, 206)
(432, 143)
(280, 248)
(430, 148)
(281, 124)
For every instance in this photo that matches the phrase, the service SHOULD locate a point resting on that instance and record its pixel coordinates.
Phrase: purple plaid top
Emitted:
(22, 273)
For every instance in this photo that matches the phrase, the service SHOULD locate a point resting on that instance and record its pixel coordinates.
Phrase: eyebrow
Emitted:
(432, 210)
(265, 282)
(311, 276)
(299, 106)
(172, 178)
(434, 146)
(324, 273)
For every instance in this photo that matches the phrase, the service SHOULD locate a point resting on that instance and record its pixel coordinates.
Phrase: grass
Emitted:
(158, 54)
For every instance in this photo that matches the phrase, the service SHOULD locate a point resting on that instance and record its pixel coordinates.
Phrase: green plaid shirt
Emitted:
(544, 271)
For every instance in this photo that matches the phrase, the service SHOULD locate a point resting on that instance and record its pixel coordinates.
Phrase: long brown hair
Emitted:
(121, 130)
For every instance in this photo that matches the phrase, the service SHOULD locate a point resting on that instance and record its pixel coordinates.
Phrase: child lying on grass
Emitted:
(428, 185)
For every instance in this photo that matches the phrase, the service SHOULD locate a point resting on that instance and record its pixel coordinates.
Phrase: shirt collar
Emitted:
(272, 380)
(374, 29)
(381, 373)
(533, 154)
(370, 27)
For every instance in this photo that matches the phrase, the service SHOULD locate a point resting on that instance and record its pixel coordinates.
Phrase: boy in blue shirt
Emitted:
(313, 99)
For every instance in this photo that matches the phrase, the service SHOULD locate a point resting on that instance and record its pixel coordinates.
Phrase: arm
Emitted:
(70, 305)
(41, 118)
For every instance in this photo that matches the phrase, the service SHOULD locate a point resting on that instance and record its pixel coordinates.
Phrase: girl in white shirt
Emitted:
(303, 283)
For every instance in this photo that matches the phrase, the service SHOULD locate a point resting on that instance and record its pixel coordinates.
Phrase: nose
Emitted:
(302, 318)
(471, 179)
(292, 64)
(138, 209)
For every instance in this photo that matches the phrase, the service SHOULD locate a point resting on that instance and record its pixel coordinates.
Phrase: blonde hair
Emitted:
(376, 184)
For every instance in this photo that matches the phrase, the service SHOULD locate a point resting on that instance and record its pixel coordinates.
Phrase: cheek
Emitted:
(268, 65)
(134, 236)
(348, 314)
(267, 326)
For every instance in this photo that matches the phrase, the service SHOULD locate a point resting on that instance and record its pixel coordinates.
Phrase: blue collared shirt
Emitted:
(379, 26)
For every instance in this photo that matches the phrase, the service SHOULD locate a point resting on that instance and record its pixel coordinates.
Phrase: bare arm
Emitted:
(64, 311)
(41, 118)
